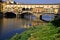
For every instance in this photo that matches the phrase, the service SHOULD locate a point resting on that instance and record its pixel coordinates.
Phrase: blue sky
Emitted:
(38, 1)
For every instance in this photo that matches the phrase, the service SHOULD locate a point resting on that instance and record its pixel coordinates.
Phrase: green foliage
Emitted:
(56, 22)
(42, 32)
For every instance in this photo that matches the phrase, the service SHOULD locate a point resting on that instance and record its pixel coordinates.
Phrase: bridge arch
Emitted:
(27, 15)
(47, 17)
(23, 9)
(1, 14)
(10, 15)
(24, 13)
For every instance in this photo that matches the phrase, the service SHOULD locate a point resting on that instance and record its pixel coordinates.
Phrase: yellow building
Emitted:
(0, 6)
(50, 8)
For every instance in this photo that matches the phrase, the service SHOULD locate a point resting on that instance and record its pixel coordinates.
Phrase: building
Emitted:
(0, 4)
(31, 7)
(9, 6)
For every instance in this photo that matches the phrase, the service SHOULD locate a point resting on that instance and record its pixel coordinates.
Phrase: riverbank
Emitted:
(41, 32)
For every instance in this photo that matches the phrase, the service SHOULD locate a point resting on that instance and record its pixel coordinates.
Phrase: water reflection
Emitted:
(11, 26)
(1, 22)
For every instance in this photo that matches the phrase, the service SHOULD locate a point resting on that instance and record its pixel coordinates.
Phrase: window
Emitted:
(23, 9)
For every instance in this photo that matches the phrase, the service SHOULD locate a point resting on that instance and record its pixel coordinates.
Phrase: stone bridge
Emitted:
(35, 9)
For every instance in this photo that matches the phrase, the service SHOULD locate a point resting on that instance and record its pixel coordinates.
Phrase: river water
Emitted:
(11, 26)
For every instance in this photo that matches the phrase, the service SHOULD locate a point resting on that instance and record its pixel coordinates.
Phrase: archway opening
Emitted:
(27, 15)
(27, 9)
(10, 15)
(47, 17)
(23, 9)
(31, 8)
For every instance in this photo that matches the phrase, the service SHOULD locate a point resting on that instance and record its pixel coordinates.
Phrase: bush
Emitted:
(56, 22)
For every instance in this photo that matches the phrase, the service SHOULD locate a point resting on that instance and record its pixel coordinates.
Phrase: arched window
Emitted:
(27, 8)
(30, 8)
(23, 9)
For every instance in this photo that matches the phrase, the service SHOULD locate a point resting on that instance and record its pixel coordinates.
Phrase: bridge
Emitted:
(34, 9)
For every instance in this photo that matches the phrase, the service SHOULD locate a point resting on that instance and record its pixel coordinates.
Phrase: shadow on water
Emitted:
(10, 15)
(23, 14)
(28, 16)
(1, 21)
(1, 24)
(1, 14)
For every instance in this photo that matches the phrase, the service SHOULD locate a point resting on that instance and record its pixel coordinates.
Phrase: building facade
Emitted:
(31, 7)
(0, 4)
(35, 8)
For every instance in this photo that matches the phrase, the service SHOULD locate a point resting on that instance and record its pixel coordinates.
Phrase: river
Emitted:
(11, 26)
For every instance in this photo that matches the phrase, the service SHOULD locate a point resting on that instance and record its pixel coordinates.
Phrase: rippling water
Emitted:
(11, 26)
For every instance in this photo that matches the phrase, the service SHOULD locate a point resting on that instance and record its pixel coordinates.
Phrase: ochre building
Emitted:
(33, 8)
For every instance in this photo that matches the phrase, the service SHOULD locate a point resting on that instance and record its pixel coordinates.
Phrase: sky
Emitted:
(38, 1)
